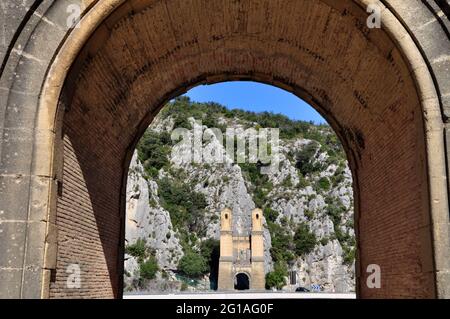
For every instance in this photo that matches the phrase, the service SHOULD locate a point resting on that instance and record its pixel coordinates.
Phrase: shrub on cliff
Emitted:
(137, 250)
(277, 277)
(149, 268)
(193, 265)
(304, 240)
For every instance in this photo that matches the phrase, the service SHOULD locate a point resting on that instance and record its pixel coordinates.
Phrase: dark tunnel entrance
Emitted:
(242, 282)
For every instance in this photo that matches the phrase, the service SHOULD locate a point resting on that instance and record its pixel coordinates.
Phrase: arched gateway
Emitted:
(241, 254)
(242, 281)
(73, 103)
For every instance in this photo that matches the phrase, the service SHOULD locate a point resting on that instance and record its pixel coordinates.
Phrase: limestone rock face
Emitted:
(325, 265)
(297, 198)
(147, 220)
(138, 208)
(224, 187)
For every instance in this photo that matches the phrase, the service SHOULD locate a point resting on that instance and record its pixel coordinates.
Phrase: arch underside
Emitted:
(147, 52)
(355, 77)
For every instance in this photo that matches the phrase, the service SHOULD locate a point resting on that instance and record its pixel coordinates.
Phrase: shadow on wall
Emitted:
(89, 214)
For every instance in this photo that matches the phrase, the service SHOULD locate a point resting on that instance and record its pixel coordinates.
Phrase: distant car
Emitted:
(301, 289)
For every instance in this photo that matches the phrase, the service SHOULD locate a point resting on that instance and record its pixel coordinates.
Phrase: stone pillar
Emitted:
(258, 280)
(226, 281)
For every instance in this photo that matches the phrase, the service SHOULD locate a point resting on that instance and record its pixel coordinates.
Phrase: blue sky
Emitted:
(256, 97)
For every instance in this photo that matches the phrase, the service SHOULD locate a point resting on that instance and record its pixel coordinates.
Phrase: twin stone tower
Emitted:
(241, 263)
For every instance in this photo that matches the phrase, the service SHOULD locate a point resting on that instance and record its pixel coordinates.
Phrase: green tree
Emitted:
(193, 265)
(324, 183)
(260, 186)
(270, 214)
(305, 159)
(277, 277)
(185, 206)
(304, 240)
(282, 243)
(149, 268)
(349, 255)
(137, 250)
(210, 249)
(153, 150)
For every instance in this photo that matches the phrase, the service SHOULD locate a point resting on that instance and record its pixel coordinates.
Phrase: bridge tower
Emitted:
(241, 254)
(257, 249)
(225, 280)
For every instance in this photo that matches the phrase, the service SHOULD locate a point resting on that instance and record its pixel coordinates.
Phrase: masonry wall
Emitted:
(359, 82)
(89, 216)
(320, 50)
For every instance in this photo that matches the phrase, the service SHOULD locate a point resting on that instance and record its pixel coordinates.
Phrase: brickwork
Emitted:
(89, 227)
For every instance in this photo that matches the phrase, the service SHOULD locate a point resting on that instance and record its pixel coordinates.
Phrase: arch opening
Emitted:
(314, 172)
(242, 282)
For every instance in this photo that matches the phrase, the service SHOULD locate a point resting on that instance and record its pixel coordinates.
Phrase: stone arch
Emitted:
(234, 42)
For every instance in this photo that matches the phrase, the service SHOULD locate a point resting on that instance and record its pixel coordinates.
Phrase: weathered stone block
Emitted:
(11, 280)
(12, 237)
(441, 68)
(32, 280)
(34, 257)
(21, 109)
(14, 192)
(51, 247)
(443, 283)
(17, 149)
(34, 68)
(39, 201)
(12, 13)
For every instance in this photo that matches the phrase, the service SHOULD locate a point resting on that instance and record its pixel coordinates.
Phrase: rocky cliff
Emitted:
(173, 204)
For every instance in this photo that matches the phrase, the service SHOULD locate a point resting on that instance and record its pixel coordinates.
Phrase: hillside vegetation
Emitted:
(307, 204)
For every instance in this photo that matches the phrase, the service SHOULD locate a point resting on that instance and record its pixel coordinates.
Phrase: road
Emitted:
(244, 295)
